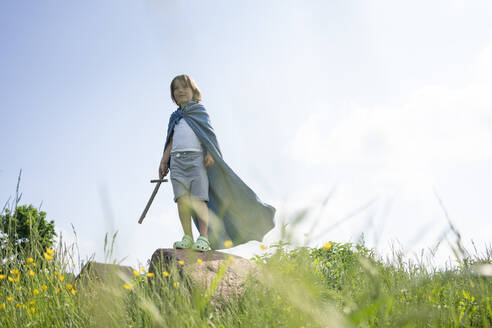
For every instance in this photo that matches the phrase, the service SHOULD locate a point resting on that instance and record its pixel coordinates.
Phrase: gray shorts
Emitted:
(188, 175)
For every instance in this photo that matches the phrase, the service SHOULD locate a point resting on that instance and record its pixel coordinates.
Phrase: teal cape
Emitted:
(235, 212)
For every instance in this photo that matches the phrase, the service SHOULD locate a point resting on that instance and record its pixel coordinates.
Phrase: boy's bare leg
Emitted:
(201, 210)
(184, 210)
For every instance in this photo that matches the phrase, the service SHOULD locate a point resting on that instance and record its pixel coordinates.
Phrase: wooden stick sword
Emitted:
(156, 189)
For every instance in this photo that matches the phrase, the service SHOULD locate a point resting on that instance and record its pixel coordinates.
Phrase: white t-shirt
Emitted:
(184, 139)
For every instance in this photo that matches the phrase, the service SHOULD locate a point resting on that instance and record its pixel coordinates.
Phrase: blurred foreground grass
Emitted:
(336, 285)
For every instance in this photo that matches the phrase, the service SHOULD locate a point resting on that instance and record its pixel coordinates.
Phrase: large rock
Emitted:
(202, 273)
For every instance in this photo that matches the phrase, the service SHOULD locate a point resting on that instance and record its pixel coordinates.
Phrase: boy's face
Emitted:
(182, 93)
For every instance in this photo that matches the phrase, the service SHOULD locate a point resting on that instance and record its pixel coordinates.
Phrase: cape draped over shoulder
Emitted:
(235, 212)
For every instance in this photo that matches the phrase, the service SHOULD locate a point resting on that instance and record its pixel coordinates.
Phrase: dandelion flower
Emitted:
(69, 286)
(47, 256)
(73, 291)
(18, 305)
(16, 279)
(127, 287)
(32, 302)
(2, 306)
(199, 260)
(61, 277)
(44, 287)
(181, 262)
(32, 310)
(176, 284)
(50, 251)
(11, 279)
(327, 245)
(228, 243)
(31, 273)
(24, 306)
(35, 292)
(15, 272)
(263, 247)
(136, 273)
(150, 274)
(142, 269)
(10, 298)
(165, 274)
(2, 276)
(29, 260)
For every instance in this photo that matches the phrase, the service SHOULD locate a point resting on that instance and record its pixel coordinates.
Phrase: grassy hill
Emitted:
(337, 285)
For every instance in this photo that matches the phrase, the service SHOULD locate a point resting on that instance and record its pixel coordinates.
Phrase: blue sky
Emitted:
(383, 102)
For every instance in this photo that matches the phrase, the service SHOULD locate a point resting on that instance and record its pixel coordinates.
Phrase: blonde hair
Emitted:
(188, 81)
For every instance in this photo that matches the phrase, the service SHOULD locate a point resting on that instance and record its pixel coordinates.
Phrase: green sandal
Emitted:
(202, 244)
(186, 242)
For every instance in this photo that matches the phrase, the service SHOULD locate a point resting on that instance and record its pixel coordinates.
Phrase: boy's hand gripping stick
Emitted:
(156, 189)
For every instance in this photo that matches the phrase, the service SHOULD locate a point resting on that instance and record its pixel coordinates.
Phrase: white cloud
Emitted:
(436, 127)
(399, 151)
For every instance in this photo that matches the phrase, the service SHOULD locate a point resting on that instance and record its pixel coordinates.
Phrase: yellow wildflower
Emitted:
(47, 256)
(136, 273)
(32, 310)
(2, 276)
(10, 298)
(199, 260)
(58, 290)
(34, 264)
(165, 274)
(61, 277)
(32, 302)
(176, 284)
(11, 279)
(150, 274)
(35, 292)
(17, 305)
(31, 273)
(127, 287)
(24, 306)
(181, 262)
(16, 279)
(56, 273)
(2, 306)
(228, 243)
(73, 291)
(69, 286)
(263, 247)
(50, 251)
(44, 287)
(142, 269)
(15, 272)
(30, 260)
(327, 245)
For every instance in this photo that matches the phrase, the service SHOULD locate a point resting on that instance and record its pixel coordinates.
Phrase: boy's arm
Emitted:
(167, 151)
(163, 167)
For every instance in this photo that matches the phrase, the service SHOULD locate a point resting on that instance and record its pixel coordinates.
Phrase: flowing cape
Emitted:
(235, 212)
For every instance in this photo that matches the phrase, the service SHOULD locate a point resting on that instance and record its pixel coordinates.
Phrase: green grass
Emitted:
(338, 285)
